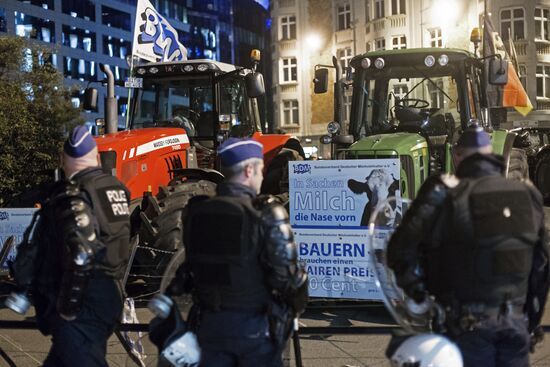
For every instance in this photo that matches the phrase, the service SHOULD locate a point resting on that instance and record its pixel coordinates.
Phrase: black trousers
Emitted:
(496, 342)
(83, 341)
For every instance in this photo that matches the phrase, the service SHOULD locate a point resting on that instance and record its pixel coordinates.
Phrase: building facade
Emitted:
(84, 33)
(310, 32)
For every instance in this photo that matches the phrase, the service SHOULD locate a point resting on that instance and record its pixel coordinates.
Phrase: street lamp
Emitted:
(313, 42)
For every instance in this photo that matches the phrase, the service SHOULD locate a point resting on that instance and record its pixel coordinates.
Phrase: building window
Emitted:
(37, 28)
(46, 4)
(541, 24)
(289, 70)
(288, 28)
(84, 9)
(79, 69)
(347, 104)
(379, 9)
(344, 56)
(344, 17)
(543, 81)
(400, 91)
(116, 18)
(522, 74)
(291, 113)
(368, 14)
(397, 7)
(512, 21)
(116, 47)
(3, 27)
(78, 38)
(436, 39)
(380, 44)
(399, 42)
(436, 94)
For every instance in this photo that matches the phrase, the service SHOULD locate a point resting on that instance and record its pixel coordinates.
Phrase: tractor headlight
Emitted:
(333, 127)
(443, 60)
(202, 67)
(188, 68)
(365, 63)
(429, 61)
(379, 63)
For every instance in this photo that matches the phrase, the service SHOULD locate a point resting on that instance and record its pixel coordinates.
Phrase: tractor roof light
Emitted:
(365, 63)
(333, 127)
(203, 67)
(429, 61)
(153, 70)
(379, 63)
(326, 139)
(188, 68)
(443, 60)
(141, 71)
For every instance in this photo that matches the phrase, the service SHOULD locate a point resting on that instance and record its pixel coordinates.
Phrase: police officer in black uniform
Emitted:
(478, 243)
(242, 258)
(73, 261)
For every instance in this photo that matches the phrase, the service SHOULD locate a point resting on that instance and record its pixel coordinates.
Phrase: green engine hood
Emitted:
(389, 144)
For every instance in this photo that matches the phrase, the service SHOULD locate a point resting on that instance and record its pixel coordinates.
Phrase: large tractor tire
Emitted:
(161, 232)
(542, 177)
(518, 168)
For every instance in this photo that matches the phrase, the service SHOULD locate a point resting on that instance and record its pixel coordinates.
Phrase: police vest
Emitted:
(110, 205)
(487, 232)
(223, 245)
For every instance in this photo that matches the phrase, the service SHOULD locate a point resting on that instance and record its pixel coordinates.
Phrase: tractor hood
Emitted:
(389, 144)
(133, 143)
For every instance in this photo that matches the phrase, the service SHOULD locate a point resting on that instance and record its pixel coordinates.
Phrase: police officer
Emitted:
(242, 258)
(478, 243)
(74, 263)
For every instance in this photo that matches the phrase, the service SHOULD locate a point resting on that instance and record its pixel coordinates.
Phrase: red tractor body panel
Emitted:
(144, 157)
(272, 144)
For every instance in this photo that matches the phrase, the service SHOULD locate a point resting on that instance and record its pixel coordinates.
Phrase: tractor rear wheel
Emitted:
(542, 176)
(518, 168)
(161, 232)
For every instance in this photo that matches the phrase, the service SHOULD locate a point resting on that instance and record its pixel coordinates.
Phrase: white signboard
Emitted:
(14, 222)
(330, 207)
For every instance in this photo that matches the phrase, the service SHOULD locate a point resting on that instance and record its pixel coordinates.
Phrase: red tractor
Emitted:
(179, 112)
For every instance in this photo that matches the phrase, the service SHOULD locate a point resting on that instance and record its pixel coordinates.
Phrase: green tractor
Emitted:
(413, 104)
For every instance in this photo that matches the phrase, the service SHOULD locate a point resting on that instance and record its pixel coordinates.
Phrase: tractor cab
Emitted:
(210, 100)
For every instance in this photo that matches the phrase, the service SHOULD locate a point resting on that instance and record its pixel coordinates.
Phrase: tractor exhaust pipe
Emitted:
(111, 107)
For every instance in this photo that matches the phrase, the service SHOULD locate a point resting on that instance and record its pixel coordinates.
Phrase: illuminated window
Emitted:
(399, 42)
(380, 44)
(543, 81)
(289, 70)
(36, 28)
(288, 27)
(344, 17)
(379, 9)
(345, 56)
(398, 7)
(512, 21)
(78, 38)
(541, 24)
(291, 113)
(116, 47)
(436, 38)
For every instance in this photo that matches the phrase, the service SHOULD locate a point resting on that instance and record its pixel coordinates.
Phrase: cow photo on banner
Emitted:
(330, 206)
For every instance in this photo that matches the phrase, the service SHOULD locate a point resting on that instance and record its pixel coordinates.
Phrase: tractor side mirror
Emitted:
(321, 81)
(255, 86)
(498, 71)
(90, 99)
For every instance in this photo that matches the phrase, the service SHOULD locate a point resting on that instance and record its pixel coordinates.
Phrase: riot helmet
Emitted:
(427, 350)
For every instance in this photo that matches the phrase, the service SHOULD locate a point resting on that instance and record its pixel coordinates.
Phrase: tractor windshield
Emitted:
(191, 104)
(409, 98)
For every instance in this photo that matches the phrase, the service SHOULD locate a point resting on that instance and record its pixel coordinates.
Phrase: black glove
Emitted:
(537, 336)
(417, 291)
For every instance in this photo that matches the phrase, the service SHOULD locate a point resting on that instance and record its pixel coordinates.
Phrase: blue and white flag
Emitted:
(154, 38)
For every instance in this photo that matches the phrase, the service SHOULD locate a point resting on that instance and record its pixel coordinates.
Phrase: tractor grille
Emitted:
(174, 164)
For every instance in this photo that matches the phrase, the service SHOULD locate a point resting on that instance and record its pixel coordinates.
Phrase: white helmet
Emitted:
(427, 350)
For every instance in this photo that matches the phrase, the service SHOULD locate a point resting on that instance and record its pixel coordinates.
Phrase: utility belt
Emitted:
(470, 315)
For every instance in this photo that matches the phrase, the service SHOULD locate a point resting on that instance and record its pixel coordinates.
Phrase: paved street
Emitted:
(29, 347)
